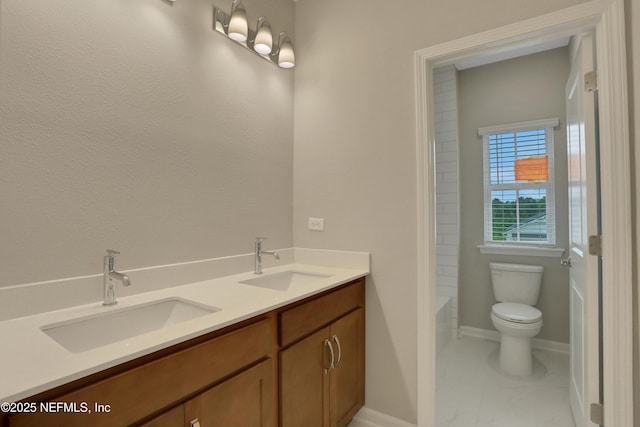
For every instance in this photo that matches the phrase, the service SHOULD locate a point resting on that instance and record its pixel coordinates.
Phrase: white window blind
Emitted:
(519, 199)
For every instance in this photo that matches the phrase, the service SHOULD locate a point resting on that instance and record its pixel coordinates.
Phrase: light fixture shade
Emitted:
(286, 55)
(238, 27)
(263, 43)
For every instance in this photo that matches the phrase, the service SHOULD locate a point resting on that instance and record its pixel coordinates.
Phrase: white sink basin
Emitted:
(87, 333)
(284, 280)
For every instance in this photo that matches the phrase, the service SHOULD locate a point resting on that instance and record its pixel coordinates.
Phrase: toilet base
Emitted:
(515, 356)
(539, 371)
(515, 345)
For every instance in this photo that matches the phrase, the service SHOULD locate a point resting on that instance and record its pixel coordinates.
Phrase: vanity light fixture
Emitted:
(260, 42)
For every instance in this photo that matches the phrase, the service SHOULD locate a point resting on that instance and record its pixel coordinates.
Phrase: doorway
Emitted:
(607, 21)
(490, 93)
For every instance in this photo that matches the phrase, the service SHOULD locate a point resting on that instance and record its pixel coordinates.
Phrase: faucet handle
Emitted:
(260, 239)
(112, 253)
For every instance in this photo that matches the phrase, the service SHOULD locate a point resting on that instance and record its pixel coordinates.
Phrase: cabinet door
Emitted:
(347, 379)
(304, 386)
(245, 400)
(171, 418)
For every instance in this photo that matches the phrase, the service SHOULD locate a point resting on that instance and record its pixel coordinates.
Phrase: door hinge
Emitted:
(595, 245)
(591, 81)
(566, 262)
(597, 414)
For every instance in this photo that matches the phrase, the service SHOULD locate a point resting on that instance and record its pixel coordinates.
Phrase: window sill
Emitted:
(521, 250)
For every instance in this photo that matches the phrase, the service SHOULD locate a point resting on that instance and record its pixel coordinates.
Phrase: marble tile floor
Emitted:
(471, 393)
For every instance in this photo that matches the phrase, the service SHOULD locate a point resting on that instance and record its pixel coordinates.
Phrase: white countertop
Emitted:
(31, 362)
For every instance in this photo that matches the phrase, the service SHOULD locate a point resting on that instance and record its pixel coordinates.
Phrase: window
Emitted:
(518, 183)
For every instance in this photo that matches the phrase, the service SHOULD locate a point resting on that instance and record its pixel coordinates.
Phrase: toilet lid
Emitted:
(513, 312)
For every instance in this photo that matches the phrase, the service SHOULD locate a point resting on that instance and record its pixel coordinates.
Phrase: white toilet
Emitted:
(516, 287)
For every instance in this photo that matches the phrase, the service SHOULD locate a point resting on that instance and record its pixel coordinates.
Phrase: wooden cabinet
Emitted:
(171, 418)
(132, 395)
(299, 365)
(241, 401)
(347, 378)
(304, 385)
(322, 375)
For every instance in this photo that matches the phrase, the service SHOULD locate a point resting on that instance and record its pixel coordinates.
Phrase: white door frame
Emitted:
(606, 17)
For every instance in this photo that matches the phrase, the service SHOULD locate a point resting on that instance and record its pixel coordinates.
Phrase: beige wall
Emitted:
(133, 125)
(354, 154)
(517, 90)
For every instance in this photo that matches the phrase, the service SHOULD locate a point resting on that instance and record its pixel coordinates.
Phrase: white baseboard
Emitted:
(536, 343)
(368, 417)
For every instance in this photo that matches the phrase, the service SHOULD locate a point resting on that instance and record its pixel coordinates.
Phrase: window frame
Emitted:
(548, 125)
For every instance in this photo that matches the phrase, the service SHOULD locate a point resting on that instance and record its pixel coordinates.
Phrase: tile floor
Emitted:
(470, 393)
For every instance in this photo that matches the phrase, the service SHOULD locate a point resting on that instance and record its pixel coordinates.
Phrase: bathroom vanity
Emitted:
(301, 363)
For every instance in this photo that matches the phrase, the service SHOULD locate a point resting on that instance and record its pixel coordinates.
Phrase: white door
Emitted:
(583, 222)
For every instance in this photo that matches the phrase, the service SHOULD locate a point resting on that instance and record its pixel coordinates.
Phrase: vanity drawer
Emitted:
(310, 316)
(149, 388)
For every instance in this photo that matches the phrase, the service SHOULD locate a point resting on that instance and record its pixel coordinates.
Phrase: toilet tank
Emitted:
(518, 283)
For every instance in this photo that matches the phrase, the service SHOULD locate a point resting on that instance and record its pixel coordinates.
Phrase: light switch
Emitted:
(316, 224)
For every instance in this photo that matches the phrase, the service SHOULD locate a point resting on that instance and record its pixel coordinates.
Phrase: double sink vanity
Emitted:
(282, 348)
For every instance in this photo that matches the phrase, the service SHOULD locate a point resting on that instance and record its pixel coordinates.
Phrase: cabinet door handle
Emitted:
(337, 341)
(194, 423)
(331, 366)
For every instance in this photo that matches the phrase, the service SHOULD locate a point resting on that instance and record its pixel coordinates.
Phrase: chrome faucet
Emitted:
(110, 277)
(259, 252)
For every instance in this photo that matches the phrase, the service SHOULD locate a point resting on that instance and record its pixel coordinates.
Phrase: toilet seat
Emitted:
(517, 313)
